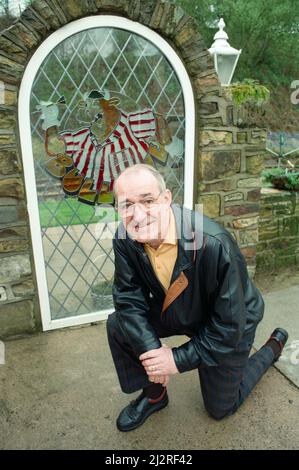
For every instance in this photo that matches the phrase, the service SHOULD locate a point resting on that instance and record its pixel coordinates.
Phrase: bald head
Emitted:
(134, 171)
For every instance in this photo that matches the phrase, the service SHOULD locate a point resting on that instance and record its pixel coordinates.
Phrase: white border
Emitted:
(26, 143)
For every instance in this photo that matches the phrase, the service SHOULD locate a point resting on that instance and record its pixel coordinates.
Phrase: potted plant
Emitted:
(250, 98)
(282, 178)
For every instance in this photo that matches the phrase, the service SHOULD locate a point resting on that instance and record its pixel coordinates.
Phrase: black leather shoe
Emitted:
(138, 411)
(281, 336)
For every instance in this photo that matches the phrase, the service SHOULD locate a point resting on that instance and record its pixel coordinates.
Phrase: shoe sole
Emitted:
(162, 405)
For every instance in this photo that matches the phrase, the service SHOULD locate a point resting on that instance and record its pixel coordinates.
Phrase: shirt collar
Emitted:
(171, 238)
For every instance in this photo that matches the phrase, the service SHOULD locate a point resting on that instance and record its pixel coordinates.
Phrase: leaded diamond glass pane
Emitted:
(77, 229)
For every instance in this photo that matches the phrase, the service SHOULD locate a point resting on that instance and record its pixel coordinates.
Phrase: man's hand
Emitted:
(160, 379)
(159, 362)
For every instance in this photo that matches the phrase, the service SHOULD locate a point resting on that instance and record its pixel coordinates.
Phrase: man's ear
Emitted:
(168, 196)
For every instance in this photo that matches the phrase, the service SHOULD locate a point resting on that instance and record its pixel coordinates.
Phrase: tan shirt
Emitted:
(164, 257)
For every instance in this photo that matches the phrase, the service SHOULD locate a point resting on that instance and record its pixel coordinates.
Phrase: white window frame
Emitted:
(26, 143)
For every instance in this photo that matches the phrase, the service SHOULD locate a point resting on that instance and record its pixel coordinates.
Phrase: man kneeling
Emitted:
(178, 272)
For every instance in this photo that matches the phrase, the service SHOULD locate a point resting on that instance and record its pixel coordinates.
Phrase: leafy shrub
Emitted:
(248, 91)
(282, 180)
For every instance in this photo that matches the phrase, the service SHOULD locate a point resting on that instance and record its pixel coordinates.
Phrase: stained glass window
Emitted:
(103, 99)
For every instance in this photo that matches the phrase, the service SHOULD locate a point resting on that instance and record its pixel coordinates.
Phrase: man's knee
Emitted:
(219, 413)
(112, 324)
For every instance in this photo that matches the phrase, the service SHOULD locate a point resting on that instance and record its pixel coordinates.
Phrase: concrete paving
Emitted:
(59, 390)
(282, 309)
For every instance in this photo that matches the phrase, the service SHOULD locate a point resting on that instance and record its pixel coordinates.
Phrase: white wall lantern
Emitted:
(225, 56)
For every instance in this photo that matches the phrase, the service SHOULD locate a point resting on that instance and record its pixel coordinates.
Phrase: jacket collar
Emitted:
(186, 239)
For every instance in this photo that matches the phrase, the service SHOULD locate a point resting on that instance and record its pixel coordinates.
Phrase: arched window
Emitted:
(100, 94)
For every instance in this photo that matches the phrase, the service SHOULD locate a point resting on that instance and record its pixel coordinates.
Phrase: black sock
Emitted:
(153, 391)
(275, 346)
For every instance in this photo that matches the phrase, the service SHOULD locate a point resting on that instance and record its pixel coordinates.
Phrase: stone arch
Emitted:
(228, 158)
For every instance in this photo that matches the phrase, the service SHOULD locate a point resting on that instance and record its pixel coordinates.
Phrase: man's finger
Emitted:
(152, 373)
(148, 362)
(166, 381)
(151, 364)
(156, 379)
(149, 354)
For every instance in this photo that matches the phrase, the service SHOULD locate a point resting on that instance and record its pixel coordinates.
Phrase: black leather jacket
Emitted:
(211, 297)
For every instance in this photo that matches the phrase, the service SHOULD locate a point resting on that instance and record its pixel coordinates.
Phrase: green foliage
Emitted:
(279, 179)
(70, 211)
(267, 174)
(292, 183)
(267, 32)
(248, 91)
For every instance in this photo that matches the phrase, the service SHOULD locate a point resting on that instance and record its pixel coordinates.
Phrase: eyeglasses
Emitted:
(126, 208)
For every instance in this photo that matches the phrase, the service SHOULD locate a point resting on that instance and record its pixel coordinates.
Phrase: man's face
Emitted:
(143, 209)
(88, 110)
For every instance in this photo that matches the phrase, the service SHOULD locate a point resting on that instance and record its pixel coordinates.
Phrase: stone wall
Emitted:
(18, 300)
(278, 245)
(229, 182)
(228, 157)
